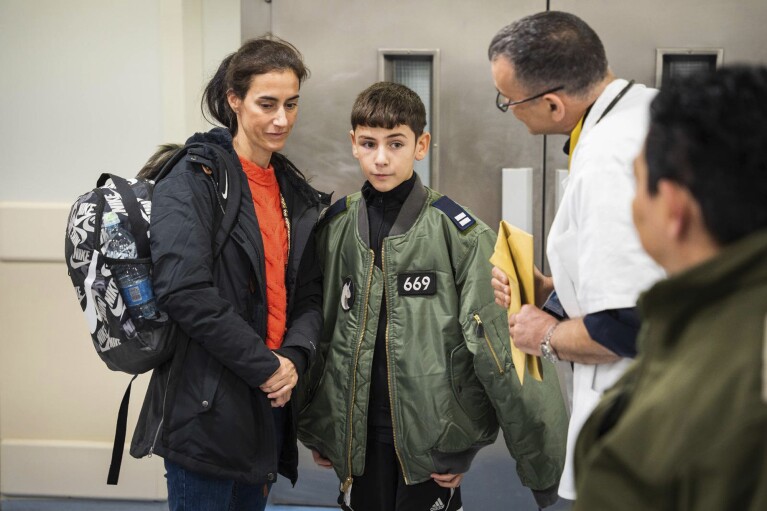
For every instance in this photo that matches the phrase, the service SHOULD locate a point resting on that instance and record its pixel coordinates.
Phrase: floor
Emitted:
(492, 484)
(21, 504)
(37, 504)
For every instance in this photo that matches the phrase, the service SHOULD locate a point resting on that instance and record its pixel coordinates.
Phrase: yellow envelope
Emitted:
(514, 255)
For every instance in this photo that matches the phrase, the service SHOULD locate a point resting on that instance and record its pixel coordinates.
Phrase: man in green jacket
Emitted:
(686, 427)
(413, 373)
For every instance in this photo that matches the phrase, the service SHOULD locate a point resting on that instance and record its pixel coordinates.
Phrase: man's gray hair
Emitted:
(552, 49)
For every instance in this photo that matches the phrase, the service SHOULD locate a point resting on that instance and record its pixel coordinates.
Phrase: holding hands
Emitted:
(280, 385)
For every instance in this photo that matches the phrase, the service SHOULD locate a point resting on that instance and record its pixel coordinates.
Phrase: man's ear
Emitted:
(354, 144)
(422, 146)
(678, 209)
(556, 106)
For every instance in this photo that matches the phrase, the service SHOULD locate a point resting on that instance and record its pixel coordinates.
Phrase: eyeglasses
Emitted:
(504, 106)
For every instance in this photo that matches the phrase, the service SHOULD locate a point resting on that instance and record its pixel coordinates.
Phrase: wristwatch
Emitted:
(547, 351)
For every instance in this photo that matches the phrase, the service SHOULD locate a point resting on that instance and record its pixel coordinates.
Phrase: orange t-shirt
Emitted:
(266, 199)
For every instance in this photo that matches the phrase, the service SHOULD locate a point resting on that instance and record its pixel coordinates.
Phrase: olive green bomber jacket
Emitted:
(686, 427)
(451, 377)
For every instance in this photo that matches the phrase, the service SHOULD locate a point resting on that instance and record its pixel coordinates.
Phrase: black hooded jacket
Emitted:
(203, 409)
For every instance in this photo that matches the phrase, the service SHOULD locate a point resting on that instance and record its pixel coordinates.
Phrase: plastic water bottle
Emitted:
(132, 279)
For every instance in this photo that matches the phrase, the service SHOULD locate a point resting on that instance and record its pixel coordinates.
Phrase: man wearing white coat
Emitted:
(551, 71)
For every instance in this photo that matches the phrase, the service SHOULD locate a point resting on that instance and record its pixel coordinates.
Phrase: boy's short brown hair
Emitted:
(389, 104)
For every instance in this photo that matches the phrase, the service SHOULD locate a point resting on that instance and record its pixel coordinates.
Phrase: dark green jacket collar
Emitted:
(737, 267)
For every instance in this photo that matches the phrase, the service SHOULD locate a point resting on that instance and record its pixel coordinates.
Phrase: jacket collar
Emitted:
(407, 216)
(218, 136)
(738, 267)
(392, 198)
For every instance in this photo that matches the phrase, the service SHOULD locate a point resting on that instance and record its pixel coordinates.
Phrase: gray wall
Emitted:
(340, 40)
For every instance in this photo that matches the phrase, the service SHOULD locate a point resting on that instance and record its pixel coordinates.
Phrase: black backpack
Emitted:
(125, 345)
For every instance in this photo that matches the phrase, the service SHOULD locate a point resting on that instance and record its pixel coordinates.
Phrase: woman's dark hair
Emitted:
(255, 57)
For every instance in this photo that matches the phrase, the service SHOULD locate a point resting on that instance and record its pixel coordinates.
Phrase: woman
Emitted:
(220, 411)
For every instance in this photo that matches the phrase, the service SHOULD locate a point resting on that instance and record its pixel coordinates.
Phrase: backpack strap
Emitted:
(132, 208)
(225, 176)
(122, 415)
(119, 443)
(177, 157)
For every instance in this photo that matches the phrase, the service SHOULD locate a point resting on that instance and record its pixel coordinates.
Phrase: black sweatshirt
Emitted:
(382, 209)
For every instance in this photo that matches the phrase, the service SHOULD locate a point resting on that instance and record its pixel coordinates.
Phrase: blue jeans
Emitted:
(190, 491)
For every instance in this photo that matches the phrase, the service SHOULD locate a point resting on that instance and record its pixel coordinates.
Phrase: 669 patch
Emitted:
(417, 283)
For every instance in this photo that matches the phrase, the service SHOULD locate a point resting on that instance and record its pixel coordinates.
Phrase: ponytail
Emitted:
(215, 101)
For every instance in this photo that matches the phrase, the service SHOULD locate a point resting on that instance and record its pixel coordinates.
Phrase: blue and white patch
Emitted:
(460, 217)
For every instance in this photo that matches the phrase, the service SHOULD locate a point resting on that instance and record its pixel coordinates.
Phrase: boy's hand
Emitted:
(543, 287)
(500, 283)
(448, 480)
(280, 385)
(319, 460)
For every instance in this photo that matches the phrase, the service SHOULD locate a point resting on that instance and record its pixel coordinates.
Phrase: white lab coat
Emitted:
(595, 256)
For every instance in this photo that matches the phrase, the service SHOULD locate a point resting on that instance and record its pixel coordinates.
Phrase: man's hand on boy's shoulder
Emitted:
(319, 460)
(448, 480)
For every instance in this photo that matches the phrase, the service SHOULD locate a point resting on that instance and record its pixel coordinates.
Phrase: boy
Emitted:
(413, 372)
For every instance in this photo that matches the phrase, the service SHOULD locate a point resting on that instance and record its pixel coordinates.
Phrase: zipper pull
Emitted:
(480, 326)
(346, 489)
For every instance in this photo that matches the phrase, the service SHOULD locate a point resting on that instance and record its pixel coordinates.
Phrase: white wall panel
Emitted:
(81, 93)
(87, 86)
(76, 469)
(517, 198)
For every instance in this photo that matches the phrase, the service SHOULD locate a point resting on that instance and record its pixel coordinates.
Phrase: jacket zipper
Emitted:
(481, 333)
(348, 481)
(162, 418)
(388, 367)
